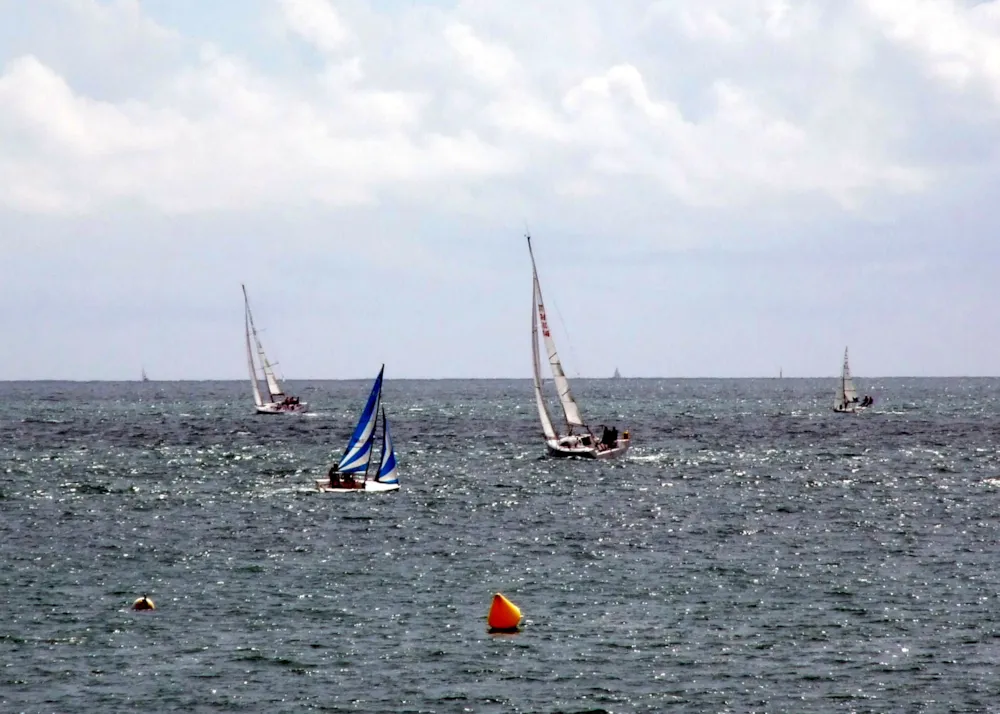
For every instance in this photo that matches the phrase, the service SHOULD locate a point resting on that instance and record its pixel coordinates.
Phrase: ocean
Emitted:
(753, 552)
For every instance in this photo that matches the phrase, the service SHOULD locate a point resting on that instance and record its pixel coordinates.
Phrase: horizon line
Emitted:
(484, 379)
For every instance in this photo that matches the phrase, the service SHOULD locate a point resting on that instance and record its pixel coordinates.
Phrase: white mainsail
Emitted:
(543, 411)
(569, 406)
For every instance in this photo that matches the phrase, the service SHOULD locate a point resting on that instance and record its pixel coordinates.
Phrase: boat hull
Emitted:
(278, 408)
(558, 449)
(323, 486)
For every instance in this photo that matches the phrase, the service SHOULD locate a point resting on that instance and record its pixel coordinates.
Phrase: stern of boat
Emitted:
(619, 450)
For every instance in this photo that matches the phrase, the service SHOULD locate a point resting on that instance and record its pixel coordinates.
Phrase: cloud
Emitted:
(959, 45)
(490, 63)
(714, 104)
(316, 21)
(220, 137)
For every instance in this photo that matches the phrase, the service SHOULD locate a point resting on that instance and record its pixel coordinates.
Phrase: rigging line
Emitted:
(565, 331)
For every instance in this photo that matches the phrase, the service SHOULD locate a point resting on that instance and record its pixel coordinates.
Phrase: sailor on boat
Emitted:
(342, 481)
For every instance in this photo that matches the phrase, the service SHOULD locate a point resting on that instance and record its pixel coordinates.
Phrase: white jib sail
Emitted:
(272, 382)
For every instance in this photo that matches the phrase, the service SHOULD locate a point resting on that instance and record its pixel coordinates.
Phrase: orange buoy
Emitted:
(143, 603)
(504, 615)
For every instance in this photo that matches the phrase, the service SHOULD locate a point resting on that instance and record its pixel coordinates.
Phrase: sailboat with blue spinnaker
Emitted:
(351, 472)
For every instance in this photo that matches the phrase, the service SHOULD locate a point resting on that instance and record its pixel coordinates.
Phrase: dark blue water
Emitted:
(754, 553)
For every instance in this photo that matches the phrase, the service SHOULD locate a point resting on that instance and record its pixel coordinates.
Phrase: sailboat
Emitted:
(617, 374)
(343, 477)
(579, 439)
(845, 398)
(145, 377)
(278, 402)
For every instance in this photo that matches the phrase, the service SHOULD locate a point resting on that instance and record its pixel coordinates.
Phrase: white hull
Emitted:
(279, 408)
(571, 447)
(323, 486)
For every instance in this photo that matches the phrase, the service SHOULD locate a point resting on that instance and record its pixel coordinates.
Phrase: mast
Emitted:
(247, 323)
(570, 409)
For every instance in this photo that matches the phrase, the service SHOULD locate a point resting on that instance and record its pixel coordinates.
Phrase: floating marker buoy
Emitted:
(504, 615)
(143, 603)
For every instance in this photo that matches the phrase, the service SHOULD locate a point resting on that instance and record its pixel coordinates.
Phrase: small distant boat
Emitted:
(578, 440)
(617, 374)
(845, 400)
(343, 478)
(279, 402)
(145, 377)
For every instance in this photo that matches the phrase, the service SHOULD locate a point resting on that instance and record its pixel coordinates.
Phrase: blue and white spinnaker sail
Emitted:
(359, 449)
(387, 464)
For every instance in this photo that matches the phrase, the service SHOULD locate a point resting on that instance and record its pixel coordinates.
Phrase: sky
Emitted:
(713, 188)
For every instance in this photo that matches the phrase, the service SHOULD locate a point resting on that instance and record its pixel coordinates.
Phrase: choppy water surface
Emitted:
(755, 551)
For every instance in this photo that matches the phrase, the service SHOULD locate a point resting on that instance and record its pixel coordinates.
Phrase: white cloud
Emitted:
(316, 21)
(220, 136)
(490, 63)
(738, 152)
(716, 104)
(959, 44)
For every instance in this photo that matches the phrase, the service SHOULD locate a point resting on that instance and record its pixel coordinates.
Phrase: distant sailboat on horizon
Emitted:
(145, 377)
(617, 374)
